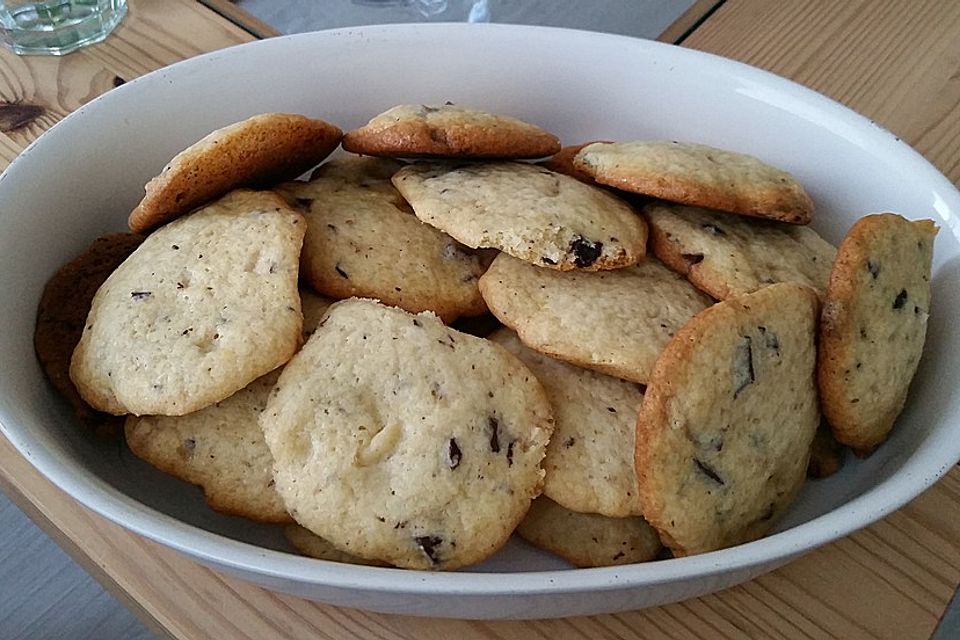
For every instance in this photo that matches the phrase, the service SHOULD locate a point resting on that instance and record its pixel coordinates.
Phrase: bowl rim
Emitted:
(940, 454)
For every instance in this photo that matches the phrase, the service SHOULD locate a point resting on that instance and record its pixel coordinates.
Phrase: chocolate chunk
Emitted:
(585, 253)
(713, 229)
(873, 268)
(611, 410)
(416, 323)
(341, 271)
(706, 470)
(118, 81)
(453, 454)
(510, 454)
(495, 434)
(771, 341)
(618, 556)
(546, 260)
(140, 295)
(901, 298)
(429, 544)
(743, 366)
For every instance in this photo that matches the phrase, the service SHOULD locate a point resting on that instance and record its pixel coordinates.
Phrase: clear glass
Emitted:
(57, 27)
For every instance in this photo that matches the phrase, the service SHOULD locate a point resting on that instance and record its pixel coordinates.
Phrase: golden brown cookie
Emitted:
(310, 544)
(205, 306)
(615, 322)
(449, 131)
(364, 241)
(724, 434)
(63, 310)
(529, 212)
(726, 255)
(588, 539)
(399, 439)
(826, 454)
(220, 448)
(698, 175)
(589, 461)
(874, 325)
(562, 162)
(258, 151)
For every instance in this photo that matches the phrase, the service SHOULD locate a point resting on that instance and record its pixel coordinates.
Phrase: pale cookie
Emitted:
(724, 434)
(562, 162)
(589, 462)
(202, 308)
(726, 255)
(532, 213)
(826, 454)
(874, 325)
(258, 151)
(449, 131)
(220, 448)
(62, 313)
(310, 544)
(587, 539)
(364, 241)
(698, 175)
(398, 439)
(614, 322)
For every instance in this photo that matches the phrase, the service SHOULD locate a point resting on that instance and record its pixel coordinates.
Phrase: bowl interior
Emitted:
(82, 178)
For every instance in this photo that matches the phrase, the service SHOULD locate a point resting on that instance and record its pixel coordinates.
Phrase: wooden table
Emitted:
(896, 61)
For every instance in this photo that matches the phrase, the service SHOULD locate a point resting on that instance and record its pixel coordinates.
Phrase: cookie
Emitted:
(726, 255)
(724, 434)
(205, 306)
(220, 448)
(310, 544)
(449, 131)
(398, 439)
(63, 310)
(698, 175)
(258, 151)
(826, 454)
(587, 539)
(614, 322)
(364, 241)
(562, 162)
(874, 325)
(314, 307)
(589, 462)
(532, 213)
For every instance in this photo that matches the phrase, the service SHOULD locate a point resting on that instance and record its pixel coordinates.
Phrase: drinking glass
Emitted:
(57, 27)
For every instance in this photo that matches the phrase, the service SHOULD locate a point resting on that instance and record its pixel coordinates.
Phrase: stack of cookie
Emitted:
(291, 351)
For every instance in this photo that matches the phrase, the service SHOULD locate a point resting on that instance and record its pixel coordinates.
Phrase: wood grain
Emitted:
(891, 580)
(155, 33)
(896, 62)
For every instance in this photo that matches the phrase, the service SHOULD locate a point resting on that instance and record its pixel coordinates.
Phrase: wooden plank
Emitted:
(243, 19)
(689, 20)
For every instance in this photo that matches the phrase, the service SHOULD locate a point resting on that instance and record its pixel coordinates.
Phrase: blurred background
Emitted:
(640, 18)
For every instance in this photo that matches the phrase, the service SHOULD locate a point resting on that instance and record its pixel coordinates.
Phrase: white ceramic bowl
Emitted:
(82, 178)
